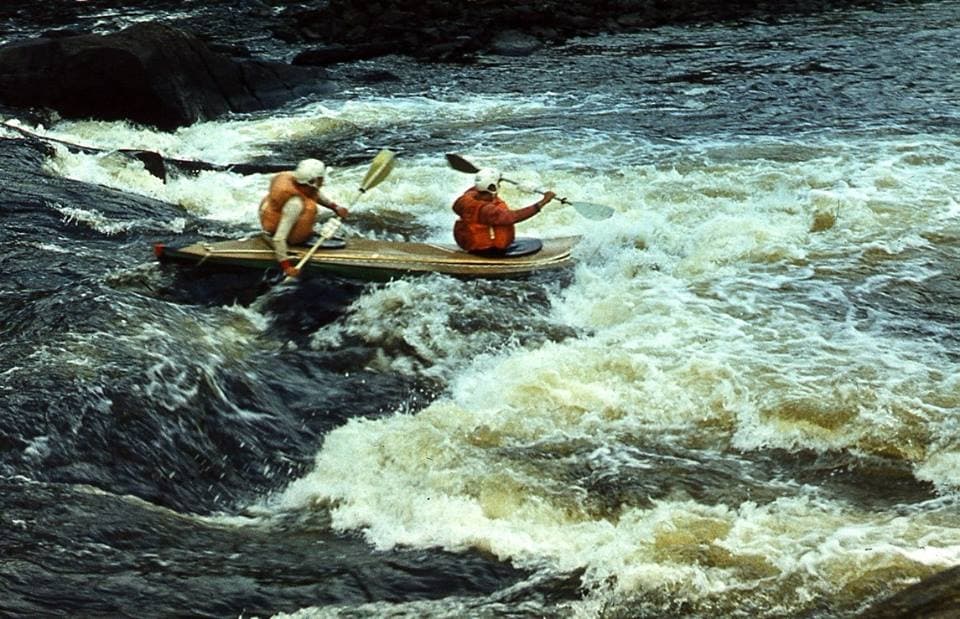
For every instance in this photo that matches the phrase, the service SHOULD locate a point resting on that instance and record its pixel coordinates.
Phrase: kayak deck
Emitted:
(372, 259)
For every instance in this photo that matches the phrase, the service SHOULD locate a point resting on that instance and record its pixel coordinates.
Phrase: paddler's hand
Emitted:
(547, 197)
(289, 270)
(341, 211)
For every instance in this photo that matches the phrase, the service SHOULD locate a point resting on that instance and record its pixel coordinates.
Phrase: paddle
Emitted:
(587, 209)
(379, 169)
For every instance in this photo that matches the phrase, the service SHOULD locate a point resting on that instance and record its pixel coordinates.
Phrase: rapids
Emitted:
(742, 401)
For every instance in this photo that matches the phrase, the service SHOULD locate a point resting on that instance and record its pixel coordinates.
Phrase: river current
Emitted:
(742, 400)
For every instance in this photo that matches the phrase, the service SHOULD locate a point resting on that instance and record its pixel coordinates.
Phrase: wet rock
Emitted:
(149, 73)
(438, 30)
(332, 54)
(515, 43)
(936, 597)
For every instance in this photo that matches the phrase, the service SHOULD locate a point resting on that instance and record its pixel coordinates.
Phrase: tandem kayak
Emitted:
(378, 260)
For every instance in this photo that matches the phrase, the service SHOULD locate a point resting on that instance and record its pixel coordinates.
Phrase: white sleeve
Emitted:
(288, 217)
(324, 200)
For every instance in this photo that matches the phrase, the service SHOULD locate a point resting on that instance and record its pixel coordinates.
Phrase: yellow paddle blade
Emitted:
(380, 168)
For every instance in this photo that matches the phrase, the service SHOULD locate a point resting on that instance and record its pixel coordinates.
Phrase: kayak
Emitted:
(374, 260)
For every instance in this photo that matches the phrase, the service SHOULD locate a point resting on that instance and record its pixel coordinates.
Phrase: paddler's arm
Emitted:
(341, 211)
(497, 213)
(289, 215)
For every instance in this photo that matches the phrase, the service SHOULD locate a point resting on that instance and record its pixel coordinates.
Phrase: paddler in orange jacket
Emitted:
(289, 210)
(486, 223)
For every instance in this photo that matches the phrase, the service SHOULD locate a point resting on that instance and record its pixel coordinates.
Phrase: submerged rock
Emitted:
(515, 43)
(936, 597)
(149, 73)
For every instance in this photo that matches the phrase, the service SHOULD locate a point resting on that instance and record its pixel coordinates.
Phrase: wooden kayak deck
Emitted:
(375, 260)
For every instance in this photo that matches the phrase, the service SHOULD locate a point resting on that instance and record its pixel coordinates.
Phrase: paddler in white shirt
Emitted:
(289, 210)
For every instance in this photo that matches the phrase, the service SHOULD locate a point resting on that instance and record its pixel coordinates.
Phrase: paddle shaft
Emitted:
(326, 232)
(379, 169)
(462, 165)
(591, 211)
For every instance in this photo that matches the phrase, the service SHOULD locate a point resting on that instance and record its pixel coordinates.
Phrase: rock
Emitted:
(149, 73)
(935, 597)
(376, 76)
(332, 54)
(453, 31)
(515, 43)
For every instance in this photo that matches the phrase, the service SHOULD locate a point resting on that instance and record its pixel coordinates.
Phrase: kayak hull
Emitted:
(373, 260)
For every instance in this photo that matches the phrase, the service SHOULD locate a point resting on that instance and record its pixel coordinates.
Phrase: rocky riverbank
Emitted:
(198, 65)
(443, 31)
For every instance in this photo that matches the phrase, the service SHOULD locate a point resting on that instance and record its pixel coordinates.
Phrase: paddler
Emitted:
(289, 210)
(486, 223)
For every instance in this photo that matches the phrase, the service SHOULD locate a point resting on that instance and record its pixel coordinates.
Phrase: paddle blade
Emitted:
(592, 211)
(460, 164)
(380, 168)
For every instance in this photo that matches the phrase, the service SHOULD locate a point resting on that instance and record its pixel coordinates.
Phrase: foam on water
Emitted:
(719, 309)
(230, 197)
(703, 322)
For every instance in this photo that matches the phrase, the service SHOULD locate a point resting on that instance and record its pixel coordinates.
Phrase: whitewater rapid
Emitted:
(704, 416)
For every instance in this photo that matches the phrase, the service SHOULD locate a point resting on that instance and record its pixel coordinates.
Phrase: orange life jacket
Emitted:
(282, 188)
(486, 222)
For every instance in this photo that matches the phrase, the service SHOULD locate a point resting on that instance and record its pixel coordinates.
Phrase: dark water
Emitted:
(122, 428)
(143, 410)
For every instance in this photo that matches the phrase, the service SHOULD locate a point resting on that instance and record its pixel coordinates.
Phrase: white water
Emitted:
(712, 312)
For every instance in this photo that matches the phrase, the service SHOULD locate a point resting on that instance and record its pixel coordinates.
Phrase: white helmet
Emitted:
(309, 169)
(487, 179)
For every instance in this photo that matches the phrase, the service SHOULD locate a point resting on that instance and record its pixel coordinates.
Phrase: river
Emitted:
(742, 400)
